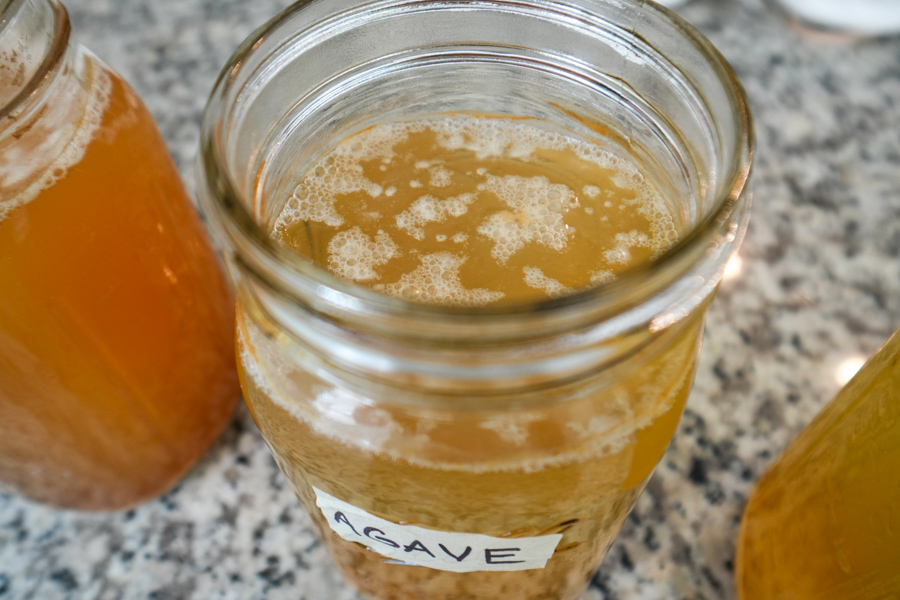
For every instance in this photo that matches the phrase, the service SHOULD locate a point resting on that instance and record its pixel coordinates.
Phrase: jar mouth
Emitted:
(34, 73)
(718, 229)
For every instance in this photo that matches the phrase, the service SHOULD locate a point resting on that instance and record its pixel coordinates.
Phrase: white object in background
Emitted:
(873, 17)
(671, 3)
(847, 369)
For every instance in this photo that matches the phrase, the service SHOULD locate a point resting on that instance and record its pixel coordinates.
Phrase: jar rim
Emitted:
(296, 273)
(50, 62)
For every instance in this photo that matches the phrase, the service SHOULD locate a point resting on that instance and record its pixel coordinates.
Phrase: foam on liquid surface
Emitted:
(52, 138)
(593, 430)
(472, 210)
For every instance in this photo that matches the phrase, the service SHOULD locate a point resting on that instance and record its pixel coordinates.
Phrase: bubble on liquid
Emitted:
(314, 198)
(646, 200)
(340, 172)
(512, 428)
(35, 157)
(459, 238)
(428, 209)
(591, 191)
(617, 256)
(490, 137)
(537, 213)
(601, 276)
(632, 239)
(535, 278)
(441, 237)
(620, 254)
(354, 255)
(437, 281)
(440, 177)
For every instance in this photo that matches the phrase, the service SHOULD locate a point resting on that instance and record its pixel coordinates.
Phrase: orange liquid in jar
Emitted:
(498, 211)
(463, 210)
(824, 521)
(116, 364)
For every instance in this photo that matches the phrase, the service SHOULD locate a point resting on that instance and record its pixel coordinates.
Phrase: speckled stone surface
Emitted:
(820, 283)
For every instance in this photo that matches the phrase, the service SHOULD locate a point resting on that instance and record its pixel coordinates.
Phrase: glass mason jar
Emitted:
(116, 371)
(472, 452)
(835, 492)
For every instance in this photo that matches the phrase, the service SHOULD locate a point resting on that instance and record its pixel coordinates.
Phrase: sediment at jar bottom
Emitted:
(583, 501)
(511, 483)
(116, 370)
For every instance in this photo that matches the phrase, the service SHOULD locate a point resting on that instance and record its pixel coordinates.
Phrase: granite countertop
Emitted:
(819, 284)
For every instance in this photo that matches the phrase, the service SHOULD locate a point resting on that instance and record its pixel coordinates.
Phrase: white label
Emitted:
(443, 550)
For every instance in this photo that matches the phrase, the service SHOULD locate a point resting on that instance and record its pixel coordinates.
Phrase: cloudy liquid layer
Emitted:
(462, 210)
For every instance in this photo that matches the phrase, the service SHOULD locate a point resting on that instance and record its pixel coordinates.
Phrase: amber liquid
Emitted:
(116, 369)
(824, 522)
(472, 211)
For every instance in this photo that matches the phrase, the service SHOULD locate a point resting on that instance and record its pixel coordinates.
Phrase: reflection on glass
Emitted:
(733, 268)
(847, 369)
